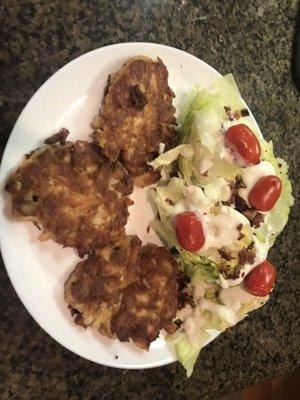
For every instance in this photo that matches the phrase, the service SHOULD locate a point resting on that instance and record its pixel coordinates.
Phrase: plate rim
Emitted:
(46, 83)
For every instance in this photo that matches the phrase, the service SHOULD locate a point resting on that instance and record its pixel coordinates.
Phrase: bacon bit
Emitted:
(169, 201)
(246, 255)
(241, 236)
(182, 280)
(239, 227)
(230, 274)
(185, 298)
(240, 204)
(227, 109)
(251, 246)
(279, 165)
(237, 115)
(225, 254)
(239, 183)
(245, 112)
(257, 220)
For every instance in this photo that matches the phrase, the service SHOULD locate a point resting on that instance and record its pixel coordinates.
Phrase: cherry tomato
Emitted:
(189, 231)
(260, 280)
(265, 193)
(245, 143)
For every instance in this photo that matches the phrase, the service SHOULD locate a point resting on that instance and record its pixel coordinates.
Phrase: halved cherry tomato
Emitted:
(189, 231)
(260, 280)
(265, 193)
(244, 142)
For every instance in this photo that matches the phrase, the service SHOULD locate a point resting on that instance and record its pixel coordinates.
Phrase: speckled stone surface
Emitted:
(253, 40)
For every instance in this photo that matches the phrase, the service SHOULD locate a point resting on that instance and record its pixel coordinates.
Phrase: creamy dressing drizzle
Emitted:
(192, 322)
(252, 174)
(234, 297)
(220, 230)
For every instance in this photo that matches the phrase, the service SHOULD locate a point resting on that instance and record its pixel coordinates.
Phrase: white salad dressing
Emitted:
(192, 322)
(199, 290)
(251, 175)
(218, 190)
(221, 311)
(219, 230)
(234, 297)
(205, 164)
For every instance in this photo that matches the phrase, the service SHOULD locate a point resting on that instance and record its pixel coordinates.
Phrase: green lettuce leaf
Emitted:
(170, 156)
(164, 197)
(198, 267)
(187, 353)
(201, 128)
(278, 216)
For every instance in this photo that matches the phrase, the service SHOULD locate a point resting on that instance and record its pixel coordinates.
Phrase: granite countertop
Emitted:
(251, 39)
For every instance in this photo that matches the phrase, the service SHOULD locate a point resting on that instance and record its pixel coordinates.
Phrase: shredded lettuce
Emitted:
(198, 267)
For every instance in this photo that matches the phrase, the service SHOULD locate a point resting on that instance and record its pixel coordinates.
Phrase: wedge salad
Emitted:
(223, 199)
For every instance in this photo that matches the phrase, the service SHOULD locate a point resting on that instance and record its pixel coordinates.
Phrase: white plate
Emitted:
(71, 98)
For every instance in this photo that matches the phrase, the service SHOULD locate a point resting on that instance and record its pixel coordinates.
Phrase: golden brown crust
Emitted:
(137, 115)
(72, 192)
(128, 291)
(149, 304)
(93, 290)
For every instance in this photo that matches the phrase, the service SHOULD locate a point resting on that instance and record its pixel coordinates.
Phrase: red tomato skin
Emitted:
(245, 143)
(265, 193)
(260, 280)
(189, 231)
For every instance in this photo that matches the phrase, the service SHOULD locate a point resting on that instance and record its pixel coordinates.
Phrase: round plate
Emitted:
(70, 99)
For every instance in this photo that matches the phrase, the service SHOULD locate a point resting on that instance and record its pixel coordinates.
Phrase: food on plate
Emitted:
(137, 117)
(93, 290)
(222, 199)
(125, 291)
(72, 194)
(221, 213)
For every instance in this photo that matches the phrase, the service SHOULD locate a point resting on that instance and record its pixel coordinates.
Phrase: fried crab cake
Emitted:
(73, 194)
(126, 291)
(94, 289)
(149, 304)
(136, 116)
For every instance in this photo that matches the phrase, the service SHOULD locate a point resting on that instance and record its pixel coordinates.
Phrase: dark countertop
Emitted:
(251, 39)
